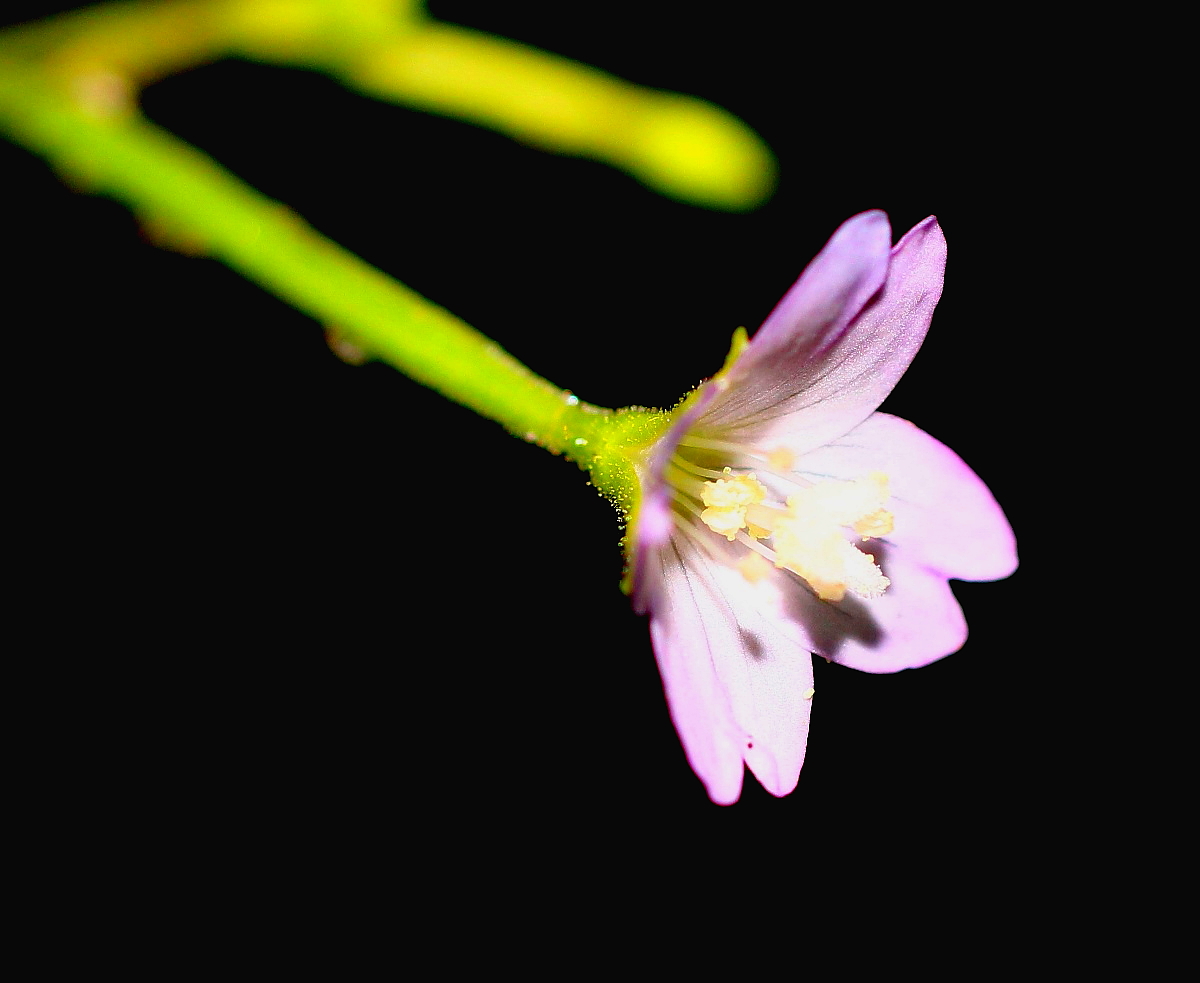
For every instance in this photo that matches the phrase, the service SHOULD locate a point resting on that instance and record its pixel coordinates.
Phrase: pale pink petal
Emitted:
(812, 315)
(651, 525)
(945, 517)
(689, 621)
(737, 678)
(812, 392)
(790, 351)
(915, 622)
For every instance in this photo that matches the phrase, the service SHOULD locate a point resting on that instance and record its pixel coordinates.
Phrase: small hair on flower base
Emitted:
(781, 516)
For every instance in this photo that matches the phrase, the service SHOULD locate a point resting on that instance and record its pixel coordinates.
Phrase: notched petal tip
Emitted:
(737, 677)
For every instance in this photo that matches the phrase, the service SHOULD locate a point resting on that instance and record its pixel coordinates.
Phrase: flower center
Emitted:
(805, 533)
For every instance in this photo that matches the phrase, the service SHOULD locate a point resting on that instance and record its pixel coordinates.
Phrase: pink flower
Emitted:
(782, 516)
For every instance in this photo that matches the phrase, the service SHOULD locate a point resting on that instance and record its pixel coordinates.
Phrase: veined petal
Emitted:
(916, 621)
(790, 349)
(831, 291)
(945, 517)
(651, 525)
(836, 369)
(738, 682)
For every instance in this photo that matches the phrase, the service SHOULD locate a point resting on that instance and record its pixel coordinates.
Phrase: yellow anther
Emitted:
(808, 540)
(878, 523)
(758, 532)
(781, 459)
(736, 491)
(724, 522)
(727, 500)
(753, 567)
(870, 493)
(828, 563)
(809, 537)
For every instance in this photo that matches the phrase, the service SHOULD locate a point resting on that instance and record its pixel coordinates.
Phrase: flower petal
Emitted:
(945, 517)
(651, 525)
(833, 288)
(816, 374)
(916, 621)
(790, 349)
(737, 681)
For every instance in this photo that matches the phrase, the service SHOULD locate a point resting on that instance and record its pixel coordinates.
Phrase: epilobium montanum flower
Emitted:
(781, 516)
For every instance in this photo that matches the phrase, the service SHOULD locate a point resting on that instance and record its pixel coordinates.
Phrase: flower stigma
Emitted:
(802, 529)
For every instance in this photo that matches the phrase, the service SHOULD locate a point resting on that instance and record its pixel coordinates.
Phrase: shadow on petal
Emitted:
(752, 645)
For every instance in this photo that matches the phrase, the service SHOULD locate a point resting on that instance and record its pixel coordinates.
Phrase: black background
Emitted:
(322, 604)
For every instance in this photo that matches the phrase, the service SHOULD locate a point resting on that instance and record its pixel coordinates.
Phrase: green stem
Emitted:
(66, 92)
(172, 186)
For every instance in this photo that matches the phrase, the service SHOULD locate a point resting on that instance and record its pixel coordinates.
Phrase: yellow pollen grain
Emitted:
(876, 524)
(754, 567)
(781, 459)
